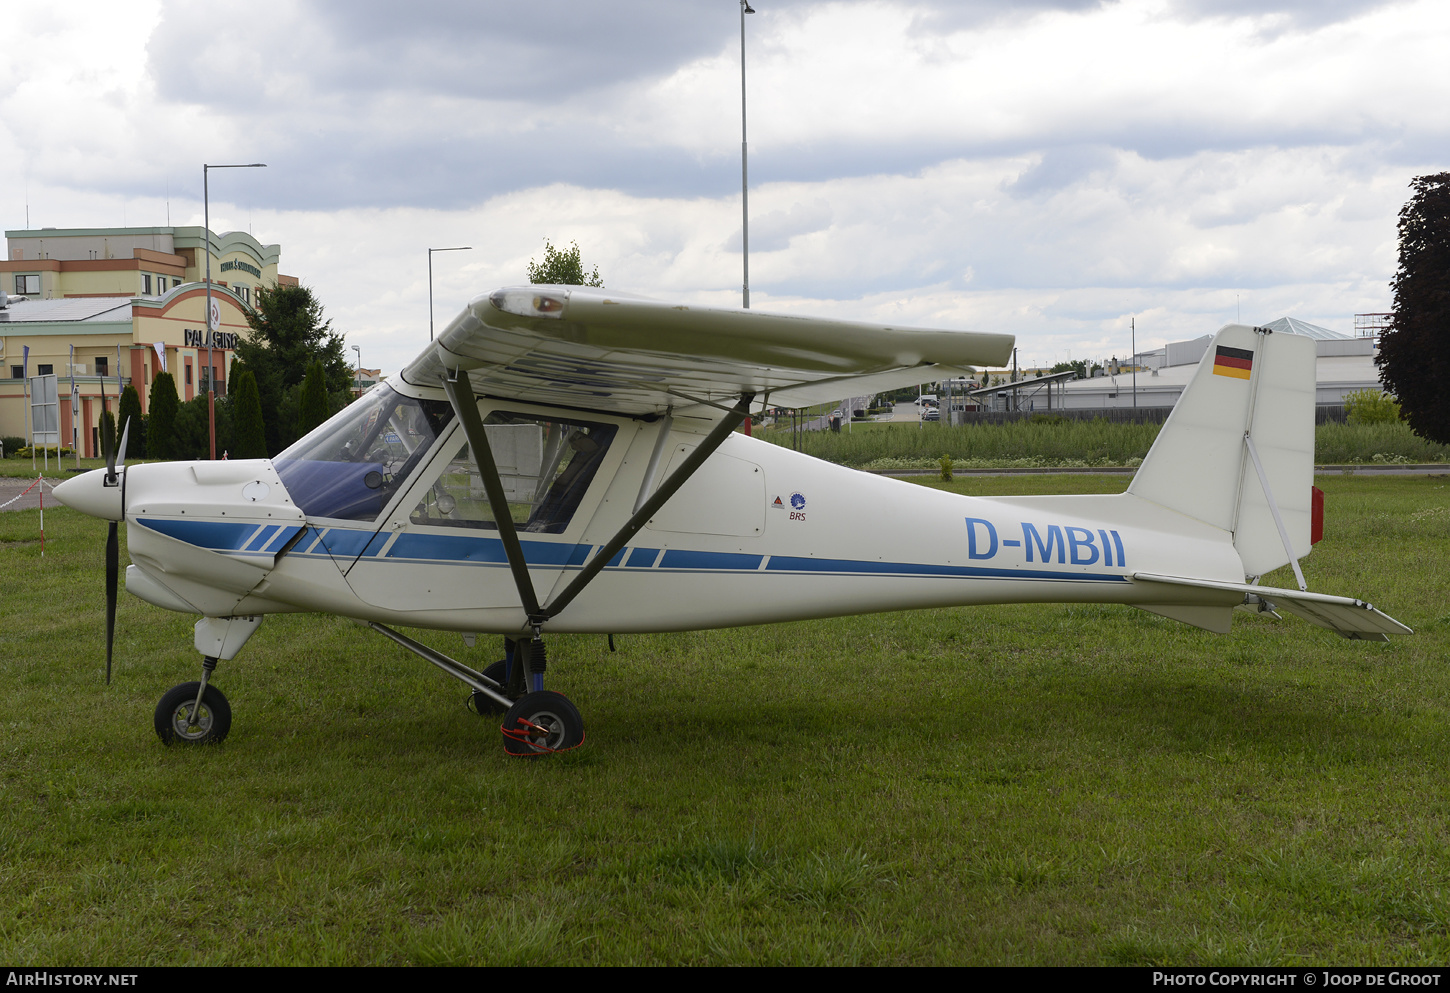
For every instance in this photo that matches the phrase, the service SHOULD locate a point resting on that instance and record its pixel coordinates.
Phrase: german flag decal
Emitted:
(1235, 362)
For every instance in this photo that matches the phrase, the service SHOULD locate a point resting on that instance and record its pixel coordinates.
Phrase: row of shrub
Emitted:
(1028, 444)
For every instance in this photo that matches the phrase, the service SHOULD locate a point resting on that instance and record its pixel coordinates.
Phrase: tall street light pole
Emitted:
(1133, 327)
(462, 248)
(745, 8)
(358, 372)
(213, 322)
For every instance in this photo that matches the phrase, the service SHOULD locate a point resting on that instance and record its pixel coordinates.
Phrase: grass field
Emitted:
(992, 785)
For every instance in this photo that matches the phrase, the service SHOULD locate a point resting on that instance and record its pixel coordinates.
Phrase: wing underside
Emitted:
(585, 347)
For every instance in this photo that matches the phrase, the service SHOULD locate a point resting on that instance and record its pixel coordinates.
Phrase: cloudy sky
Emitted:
(1049, 168)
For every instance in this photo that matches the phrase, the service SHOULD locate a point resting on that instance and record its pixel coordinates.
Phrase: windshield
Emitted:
(350, 467)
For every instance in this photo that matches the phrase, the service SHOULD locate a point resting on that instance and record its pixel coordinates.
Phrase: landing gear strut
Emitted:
(536, 721)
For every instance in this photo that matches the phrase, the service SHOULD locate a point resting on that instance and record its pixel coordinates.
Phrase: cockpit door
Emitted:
(440, 548)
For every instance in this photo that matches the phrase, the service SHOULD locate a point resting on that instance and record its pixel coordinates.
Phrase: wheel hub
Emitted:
(546, 731)
(185, 727)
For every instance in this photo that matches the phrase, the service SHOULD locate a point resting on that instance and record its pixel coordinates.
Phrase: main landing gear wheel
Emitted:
(542, 722)
(482, 702)
(175, 721)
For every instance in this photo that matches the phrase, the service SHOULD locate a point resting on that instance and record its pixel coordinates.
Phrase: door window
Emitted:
(545, 466)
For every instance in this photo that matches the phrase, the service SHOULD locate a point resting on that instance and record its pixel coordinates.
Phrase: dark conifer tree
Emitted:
(161, 420)
(313, 408)
(249, 433)
(130, 410)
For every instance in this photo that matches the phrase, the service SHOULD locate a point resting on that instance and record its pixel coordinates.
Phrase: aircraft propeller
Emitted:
(113, 545)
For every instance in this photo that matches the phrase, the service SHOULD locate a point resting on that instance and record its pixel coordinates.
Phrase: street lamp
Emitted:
(463, 248)
(745, 8)
(210, 326)
(355, 377)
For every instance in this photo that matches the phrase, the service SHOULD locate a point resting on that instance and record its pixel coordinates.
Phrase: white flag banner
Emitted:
(161, 354)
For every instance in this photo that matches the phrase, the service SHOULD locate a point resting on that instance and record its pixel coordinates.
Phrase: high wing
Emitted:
(591, 348)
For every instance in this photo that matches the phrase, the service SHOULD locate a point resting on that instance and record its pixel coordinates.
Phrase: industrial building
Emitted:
(1345, 364)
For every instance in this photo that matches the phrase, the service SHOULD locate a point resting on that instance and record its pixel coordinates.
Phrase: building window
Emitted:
(45, 370)
(146, 283)
(27, 284)
(188, 374)
(17, 372)
(245, 292)
(103, 366)
(175, 282)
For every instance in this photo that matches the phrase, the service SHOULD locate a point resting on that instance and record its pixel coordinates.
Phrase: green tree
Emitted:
(161, 421)
(193, 428)
(129, 409)
(1414, 358)
(249, 433)
(312, 408)
(288, 334)
(1371, 407)
(562, 267)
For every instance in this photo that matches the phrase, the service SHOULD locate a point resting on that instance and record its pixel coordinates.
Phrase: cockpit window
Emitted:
(545, 467)
(350, 467)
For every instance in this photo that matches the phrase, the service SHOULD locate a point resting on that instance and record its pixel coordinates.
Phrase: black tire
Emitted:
(173, 716)
(540, 723)
(484, 704)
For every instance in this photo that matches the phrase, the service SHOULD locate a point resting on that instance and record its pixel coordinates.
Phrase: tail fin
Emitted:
(1251, 384)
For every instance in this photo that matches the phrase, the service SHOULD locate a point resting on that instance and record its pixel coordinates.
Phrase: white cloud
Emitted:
(1050, 174)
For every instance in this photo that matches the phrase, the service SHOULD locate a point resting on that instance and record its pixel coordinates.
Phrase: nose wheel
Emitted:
(180, 721)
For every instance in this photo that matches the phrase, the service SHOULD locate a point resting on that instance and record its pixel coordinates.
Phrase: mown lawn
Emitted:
(1001, 785)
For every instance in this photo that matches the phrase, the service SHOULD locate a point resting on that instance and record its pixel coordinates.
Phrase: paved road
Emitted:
(12, 488)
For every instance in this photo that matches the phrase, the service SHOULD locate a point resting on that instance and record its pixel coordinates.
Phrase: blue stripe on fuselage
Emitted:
(218, 536)
(789, 563)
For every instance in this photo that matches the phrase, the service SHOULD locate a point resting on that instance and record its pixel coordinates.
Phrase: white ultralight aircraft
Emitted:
(565, 459)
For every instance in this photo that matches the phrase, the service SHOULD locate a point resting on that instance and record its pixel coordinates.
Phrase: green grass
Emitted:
(1031, 784)
(1071, 443)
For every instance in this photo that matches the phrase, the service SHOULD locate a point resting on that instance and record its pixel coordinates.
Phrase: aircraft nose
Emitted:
(89, 494)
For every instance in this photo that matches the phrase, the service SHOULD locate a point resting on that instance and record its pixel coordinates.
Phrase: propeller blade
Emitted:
(108, 449)
(113, 569)
(113, 552)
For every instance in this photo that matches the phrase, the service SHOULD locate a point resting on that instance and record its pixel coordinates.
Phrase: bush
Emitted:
(1371, 407)
(946, 468)
(42, 451)
(11, 444)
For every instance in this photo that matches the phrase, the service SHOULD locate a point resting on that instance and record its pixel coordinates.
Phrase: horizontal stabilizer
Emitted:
(1343, 615)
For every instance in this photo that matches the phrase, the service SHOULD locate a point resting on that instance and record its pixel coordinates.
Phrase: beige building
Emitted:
(127, 303)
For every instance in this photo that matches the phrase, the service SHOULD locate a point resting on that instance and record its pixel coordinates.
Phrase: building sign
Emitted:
(231, 264)
(208, 339)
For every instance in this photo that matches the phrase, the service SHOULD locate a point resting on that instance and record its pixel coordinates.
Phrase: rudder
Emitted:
(1250, 383)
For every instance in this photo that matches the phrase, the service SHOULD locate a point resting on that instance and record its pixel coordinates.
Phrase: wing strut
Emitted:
(460, 394)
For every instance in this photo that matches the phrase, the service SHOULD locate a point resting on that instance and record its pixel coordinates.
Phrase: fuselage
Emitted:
(759, 534)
